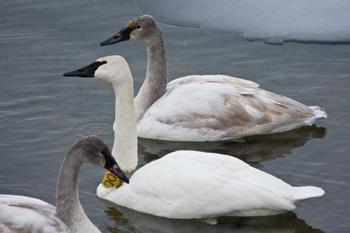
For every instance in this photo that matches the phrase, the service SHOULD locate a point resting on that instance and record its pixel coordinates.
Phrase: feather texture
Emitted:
(193, 185)
(26, 214)
(219, 107)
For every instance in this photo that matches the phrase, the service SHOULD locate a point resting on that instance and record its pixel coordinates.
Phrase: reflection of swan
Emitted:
(25, 214)
(255, 149)
(286, 223)
(186, 184)
(205, 107)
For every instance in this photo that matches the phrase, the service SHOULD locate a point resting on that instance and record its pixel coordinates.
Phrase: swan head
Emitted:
(112, 69)
(141, 28)
(94, 151)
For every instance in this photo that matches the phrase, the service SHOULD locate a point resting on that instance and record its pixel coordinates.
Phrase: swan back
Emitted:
(192, 184)
(218, 107)
(25, 214)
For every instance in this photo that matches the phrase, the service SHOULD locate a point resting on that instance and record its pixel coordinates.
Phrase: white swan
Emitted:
(204, 107)
(26, 214)
(185, 184)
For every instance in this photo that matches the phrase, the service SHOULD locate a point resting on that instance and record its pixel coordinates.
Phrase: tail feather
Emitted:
(319, 112)
(306, 192)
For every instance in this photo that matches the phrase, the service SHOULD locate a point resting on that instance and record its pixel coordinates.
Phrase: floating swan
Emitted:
(204, 107)
(185, 184)
(27, 214)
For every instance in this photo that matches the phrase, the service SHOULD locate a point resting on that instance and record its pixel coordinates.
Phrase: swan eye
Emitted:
(138, 26)
(103, 153)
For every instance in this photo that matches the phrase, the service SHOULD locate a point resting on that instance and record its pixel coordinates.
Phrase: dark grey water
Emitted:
(43, 113)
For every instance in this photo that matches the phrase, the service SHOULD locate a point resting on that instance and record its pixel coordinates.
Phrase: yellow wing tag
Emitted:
(110, 180)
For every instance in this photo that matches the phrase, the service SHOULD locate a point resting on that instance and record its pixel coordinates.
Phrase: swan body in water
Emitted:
(26, 214)
(204, 107)
(185, 184)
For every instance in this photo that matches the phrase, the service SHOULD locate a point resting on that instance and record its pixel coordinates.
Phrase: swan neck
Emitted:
(68, 206)
(125, 135)
(155, 82)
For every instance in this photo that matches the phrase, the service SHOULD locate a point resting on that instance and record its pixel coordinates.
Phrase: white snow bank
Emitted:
(274, 21)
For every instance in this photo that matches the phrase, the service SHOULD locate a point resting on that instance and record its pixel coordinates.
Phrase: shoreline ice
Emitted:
(273, 21)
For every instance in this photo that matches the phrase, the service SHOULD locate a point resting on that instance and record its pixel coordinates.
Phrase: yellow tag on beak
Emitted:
(110, 180)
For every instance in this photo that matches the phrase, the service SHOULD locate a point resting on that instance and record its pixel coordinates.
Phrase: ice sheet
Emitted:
(273, 21)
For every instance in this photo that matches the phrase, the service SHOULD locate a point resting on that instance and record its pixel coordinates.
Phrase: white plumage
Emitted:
(26, 214)
(188, 184)
(195, 185)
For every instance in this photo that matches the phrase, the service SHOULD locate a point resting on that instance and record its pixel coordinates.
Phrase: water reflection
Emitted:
(127, 220)
(254, 150)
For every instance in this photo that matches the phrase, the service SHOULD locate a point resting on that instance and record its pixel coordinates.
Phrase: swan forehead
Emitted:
(133, 24)
(112, 59)
(141, 21)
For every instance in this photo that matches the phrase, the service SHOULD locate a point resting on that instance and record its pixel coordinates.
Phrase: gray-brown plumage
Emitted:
(204, 107)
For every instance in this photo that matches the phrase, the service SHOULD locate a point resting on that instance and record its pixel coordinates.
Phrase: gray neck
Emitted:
(155, 82)
(68, 206)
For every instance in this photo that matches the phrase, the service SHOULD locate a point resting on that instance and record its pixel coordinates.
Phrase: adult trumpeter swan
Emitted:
(204, 107)
(185, 184)
(27, 214)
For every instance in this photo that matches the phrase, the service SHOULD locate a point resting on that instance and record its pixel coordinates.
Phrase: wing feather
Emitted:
(217, 107)
(210, 184)
(26, 214)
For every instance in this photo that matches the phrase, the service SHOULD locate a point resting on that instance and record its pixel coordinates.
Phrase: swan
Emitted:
(204, 107)
(185, 184)
(27, 214)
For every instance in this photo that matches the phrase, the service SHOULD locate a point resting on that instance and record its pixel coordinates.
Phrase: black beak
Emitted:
(87, 71)
(122, 35)
(113, 167)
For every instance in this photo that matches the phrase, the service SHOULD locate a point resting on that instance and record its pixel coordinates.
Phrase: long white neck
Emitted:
(125, 135)
(155, 82)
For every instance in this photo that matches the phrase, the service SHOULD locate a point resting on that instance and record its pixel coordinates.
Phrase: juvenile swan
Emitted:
(186, 184)
(204, 107)
(25, 214)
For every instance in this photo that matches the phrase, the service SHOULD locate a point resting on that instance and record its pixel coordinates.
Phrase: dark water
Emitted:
(43, 113)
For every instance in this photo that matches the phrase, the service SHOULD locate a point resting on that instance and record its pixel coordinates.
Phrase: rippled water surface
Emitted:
(43, 113)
